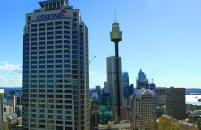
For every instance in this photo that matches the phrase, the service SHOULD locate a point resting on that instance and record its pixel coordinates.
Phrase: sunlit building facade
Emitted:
(143, 110)
(55, 69)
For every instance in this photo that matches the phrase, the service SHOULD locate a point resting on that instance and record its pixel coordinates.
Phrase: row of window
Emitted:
(50, 71)
(51, 127)
(51, 56)
(48, 86)
(60, 66)
(33, 29)
(51, 33)
(50, 91)
(52, 37)
(49, 97)
(51, 47)
(51, 23)
(50, 116)
(50, 81)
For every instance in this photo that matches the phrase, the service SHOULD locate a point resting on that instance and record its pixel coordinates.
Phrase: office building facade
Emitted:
(111, 82)
(143, 109)
(55, 69)
(142, 81)
(175, 102)
(125, 83)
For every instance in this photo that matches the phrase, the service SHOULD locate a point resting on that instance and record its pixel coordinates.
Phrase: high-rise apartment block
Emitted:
(175, 102)
(143, 110)
(1, 108)
(111, 82)
(55, 69)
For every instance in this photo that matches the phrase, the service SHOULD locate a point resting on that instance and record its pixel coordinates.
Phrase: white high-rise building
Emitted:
(55, 69)
(12, 102)
(111, 82)
(1, 108)
(143, 109)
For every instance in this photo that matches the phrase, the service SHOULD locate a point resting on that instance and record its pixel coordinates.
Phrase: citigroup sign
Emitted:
(51, 16)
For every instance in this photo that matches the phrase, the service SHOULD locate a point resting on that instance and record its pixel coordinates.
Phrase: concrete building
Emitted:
(143, 110)
(111, 82)
(12, 102)
(175, 102)
(161, 96)
(106, 89)
(55, 93)
(1, 108)
(94, 115)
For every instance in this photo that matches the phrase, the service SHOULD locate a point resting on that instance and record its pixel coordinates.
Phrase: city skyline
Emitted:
(160, 37)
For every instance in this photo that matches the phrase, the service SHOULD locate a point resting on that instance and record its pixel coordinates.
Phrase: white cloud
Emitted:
(5, 66)
(10, 81)
(2, 78)
(10, 75)
(101, 78)
(92, 73)
(97, 79)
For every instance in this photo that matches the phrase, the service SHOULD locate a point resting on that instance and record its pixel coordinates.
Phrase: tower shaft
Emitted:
(117, 82)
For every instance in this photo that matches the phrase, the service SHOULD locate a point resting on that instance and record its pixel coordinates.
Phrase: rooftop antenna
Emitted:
(115, 16)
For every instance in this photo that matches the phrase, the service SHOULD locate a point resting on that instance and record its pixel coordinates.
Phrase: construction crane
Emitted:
(92, 59)
(154, 72)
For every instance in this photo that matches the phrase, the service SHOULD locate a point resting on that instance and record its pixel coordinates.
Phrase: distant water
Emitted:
(193, 99)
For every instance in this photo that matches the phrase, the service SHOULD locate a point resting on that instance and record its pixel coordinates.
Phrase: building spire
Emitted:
(115, 16)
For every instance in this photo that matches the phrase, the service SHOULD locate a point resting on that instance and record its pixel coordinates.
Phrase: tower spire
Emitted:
(115, 16)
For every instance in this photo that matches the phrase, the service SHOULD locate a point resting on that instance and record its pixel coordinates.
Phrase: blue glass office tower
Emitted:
(127, 88)
(142, 81)
(125, 83)
(55, 69)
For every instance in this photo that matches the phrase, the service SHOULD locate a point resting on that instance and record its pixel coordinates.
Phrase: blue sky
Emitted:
(163, 37)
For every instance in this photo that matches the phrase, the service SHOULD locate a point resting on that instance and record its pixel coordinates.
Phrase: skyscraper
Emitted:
(55, 69)
(175, 102)
(142, 81)
(127, 88)
(1, 108)
(125, 83)
(143, 110)
(111, 82)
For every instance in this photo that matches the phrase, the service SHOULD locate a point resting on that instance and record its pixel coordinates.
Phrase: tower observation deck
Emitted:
(116, 37)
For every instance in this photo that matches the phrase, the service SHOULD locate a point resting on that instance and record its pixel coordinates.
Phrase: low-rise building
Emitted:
(166, 122)
(122, 126)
